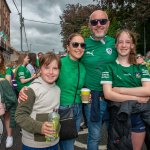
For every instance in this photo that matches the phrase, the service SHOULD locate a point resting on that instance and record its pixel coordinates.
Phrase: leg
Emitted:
(9, 140)
(69, 144)
(138, 131)
(94, 128)
(137, 140)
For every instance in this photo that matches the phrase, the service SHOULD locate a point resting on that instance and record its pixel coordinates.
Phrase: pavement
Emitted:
(80, 144)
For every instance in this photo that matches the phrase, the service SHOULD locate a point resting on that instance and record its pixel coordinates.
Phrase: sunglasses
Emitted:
(101, 21)
(139, 57)
(76, 44)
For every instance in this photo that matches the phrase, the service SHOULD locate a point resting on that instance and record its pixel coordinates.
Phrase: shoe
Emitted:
(9, 141)
(84, 126)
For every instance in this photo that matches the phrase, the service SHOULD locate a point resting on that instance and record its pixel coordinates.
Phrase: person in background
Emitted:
(125, 80)
(140, 59)
(6, 73)
(32, 63)
(22, 74)
(41, 92)
(100, 50)
(68, 79)
(38, 57)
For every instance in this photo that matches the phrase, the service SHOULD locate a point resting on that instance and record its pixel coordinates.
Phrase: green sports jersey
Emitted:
(22, 72)
(8, 73)
(97, 55)
(120, 76)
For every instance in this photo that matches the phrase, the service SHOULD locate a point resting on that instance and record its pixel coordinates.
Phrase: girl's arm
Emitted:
(117, 97)
(144, 90)
(28, 79)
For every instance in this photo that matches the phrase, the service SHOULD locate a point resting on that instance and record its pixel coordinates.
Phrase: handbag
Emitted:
(68, 128)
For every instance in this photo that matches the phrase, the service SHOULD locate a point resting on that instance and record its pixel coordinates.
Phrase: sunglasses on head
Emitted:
(76, 44)
(139, 57)
(101, 21)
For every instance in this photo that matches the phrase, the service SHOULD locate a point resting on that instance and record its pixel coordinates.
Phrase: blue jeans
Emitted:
(69, 144)
(94, 127)
(55, 147)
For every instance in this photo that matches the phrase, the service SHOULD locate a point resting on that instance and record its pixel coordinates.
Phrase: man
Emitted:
(100, 50)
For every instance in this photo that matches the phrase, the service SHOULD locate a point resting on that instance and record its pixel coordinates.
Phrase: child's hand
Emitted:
(22, 95)
(48, 129)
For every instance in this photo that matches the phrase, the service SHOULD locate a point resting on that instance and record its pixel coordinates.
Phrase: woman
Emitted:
(6, 74)
(22, 74)
(67, 81)
(32, 115)
(124, 80)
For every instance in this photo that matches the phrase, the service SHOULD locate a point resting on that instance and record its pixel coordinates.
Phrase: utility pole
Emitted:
(30, 47)
(144, 40)
(21, 23)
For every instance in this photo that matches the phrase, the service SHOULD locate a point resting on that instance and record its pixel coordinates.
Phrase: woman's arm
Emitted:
(23, 80)
(144, 90)
(117, 97)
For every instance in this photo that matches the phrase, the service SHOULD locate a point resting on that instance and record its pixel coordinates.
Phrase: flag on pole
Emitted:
(1, 33)
(5, 37)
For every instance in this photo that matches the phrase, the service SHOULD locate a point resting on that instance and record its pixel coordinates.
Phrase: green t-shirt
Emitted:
(68, 79)
(120, 76)
(97, 55)
(22, 72)
(8, 73)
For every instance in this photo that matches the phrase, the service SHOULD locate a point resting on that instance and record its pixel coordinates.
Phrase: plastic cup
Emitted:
(85, 93)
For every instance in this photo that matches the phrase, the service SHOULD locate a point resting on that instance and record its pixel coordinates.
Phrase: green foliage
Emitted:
(85, 31)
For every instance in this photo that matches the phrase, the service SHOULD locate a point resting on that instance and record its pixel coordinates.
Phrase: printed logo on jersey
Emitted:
(109, 51)
(90, 53)
(138, 75)
(105, 75)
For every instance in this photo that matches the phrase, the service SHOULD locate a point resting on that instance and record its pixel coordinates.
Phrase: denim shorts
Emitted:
(137, 123)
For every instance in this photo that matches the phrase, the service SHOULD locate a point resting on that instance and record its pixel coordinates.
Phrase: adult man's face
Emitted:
(99, 24)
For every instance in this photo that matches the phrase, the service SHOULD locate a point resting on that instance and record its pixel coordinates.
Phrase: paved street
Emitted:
(79, 145)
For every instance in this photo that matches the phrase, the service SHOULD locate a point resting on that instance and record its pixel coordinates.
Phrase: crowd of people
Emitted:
(116, 75)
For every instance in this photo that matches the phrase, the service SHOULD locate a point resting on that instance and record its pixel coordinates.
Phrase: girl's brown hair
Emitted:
(133, 35)
(21, 58)
(72, 36)
(47, 58)
(2, 65)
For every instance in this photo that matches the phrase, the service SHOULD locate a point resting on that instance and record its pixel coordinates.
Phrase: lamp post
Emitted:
(144, 40)
(30, 47)
(21, 22)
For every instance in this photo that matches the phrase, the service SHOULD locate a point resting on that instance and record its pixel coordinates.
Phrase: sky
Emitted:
(40, 36)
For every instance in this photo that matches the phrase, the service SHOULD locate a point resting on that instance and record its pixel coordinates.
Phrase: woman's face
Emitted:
(26, 60)
(76, 47)
(124, 44)
(50, 73)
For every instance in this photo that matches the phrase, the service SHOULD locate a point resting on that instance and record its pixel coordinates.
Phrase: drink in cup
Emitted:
(85, 94)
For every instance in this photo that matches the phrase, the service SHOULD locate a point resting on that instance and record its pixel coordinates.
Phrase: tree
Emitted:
(75, 19)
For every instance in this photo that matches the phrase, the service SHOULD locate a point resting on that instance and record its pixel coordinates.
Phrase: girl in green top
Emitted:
(22, 74)
(124, 80)
(6, 74)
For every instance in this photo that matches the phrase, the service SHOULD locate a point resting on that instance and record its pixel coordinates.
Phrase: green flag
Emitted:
(1, 33)
(5, 37)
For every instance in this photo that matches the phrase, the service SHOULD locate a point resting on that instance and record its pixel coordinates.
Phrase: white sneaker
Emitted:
(9, 141)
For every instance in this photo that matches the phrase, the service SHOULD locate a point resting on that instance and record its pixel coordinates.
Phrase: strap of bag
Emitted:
(77, 83)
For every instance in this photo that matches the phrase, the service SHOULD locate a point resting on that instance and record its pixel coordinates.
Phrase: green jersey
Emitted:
(68, 79)
(8, 73)
(97, 55)
(120, 76)
(22, 72)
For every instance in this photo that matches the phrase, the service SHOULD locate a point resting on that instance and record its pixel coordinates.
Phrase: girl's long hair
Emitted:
(133, 35)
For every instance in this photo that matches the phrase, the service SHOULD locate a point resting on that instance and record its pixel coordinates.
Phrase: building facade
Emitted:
(5, 47)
